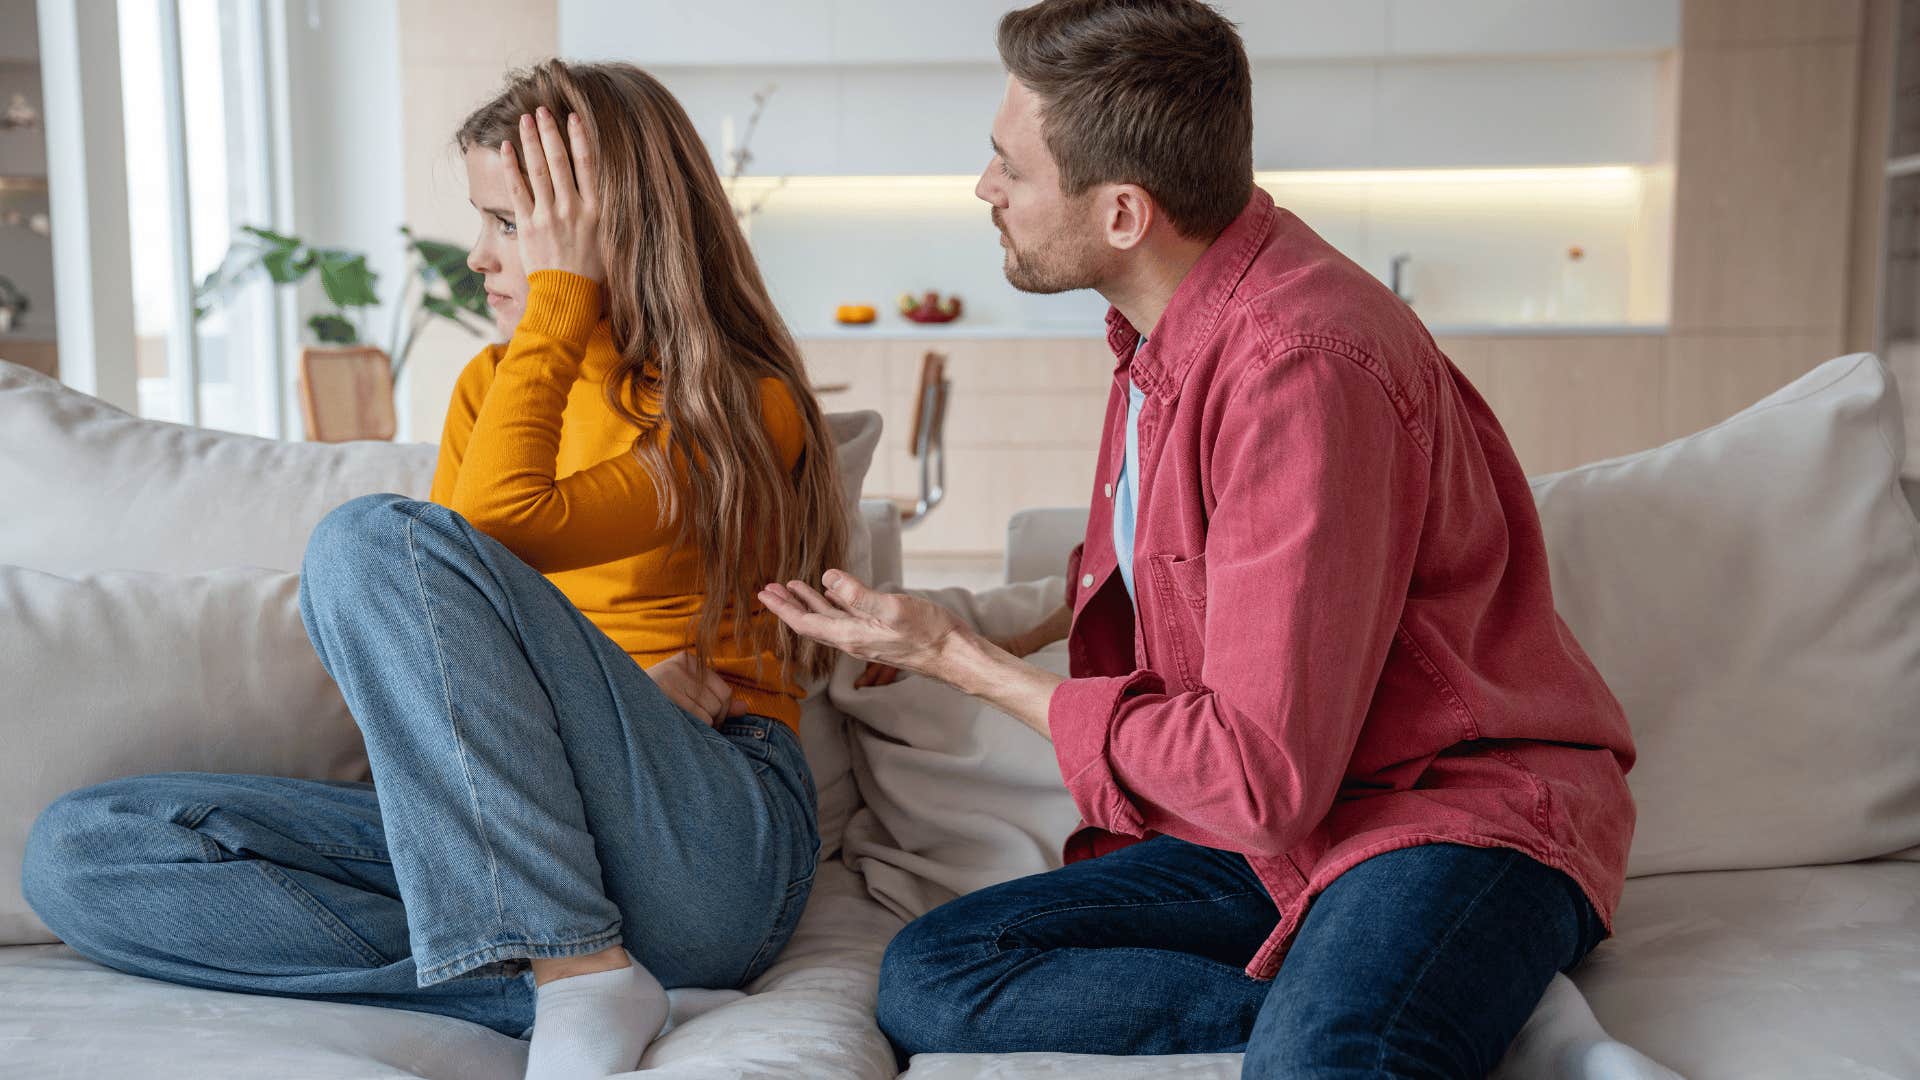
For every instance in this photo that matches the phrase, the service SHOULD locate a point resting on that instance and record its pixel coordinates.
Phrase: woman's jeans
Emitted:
(534, 795)
(1420, 962)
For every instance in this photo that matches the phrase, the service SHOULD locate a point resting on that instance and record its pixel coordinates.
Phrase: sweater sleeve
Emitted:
(507, 485)
(469, 390)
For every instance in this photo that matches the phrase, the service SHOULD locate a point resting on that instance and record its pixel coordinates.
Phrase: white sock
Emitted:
(1563, 1038)
(595, 1025)
(690, 1001)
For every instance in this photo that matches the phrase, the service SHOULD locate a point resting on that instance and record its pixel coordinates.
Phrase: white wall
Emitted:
(454, 55)
(343, 141)
(759, 32)
(80, 70)
(871, 87)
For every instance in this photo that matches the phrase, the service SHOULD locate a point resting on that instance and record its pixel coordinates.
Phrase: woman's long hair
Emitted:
(696, 332)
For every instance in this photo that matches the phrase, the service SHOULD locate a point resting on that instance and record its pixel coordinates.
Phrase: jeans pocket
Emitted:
(751, 736)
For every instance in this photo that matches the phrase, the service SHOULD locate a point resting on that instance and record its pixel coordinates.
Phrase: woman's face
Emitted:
(496, 254)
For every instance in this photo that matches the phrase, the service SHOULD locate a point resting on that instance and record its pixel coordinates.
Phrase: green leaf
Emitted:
(442, 307)
(241, 262)
(451, 312)
(347, 279)
(272, 238)
(447, 263)
(333, 330)
(286, 265)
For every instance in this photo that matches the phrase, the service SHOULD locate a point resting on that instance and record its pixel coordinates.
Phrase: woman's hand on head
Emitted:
(697, 688)
(556, 205)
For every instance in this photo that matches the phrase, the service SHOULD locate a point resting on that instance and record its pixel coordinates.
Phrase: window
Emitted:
(194, 80)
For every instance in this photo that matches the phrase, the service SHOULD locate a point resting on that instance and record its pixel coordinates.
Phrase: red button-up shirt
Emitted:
(1343, 640)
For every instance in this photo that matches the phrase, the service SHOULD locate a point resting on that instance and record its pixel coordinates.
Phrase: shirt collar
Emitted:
(1196, 306)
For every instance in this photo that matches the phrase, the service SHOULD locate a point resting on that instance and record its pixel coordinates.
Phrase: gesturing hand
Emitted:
(878, 674)
(898, 631)
(696, 688)
(558, 221)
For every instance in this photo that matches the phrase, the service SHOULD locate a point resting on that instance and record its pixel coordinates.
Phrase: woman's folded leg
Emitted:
(541, 797)
(258, 884)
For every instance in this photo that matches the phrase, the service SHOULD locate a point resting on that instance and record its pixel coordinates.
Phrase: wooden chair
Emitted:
(929, 441)
(346, 394)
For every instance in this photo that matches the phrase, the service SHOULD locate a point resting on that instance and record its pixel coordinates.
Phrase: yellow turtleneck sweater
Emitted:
(534, 457)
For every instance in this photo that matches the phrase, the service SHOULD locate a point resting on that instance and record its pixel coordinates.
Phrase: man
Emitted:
(1352, 794)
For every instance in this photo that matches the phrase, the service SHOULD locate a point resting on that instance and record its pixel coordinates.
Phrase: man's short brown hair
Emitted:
(1149, 92)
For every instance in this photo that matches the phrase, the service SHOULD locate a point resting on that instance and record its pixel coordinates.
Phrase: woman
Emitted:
(586, 782)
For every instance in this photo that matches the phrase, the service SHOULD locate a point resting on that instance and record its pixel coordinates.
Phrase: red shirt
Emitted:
(1345, 640)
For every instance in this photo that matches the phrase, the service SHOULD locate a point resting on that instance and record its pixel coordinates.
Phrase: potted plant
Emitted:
(346, 384)
(13, 303)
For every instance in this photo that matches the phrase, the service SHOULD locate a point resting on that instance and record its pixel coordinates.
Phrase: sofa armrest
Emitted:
(1039, 541)
(882, 520)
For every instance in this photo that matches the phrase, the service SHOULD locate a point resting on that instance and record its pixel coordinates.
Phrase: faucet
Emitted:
(1397, 278)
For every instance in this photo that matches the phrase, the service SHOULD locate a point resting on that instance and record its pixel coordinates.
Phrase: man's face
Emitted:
(1053, 242)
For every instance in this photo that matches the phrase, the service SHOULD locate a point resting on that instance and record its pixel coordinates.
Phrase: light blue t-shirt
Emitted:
(1126, 487)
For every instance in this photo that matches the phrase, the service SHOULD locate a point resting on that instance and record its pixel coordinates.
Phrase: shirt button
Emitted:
(1086, 581)
(1109, 491)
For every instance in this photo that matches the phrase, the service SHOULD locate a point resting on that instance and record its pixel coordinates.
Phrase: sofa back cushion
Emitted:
(1752, 595)
(956, 795)
(1750, 592)
(128, 672)
(145, 643)
(89, 487)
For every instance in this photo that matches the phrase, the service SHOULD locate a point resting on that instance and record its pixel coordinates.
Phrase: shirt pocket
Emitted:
(1180, 629)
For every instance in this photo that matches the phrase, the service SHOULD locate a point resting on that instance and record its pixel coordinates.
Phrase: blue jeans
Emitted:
(1420, 962)
(534, 795)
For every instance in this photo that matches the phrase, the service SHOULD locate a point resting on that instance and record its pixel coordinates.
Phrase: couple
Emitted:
(1352, 793)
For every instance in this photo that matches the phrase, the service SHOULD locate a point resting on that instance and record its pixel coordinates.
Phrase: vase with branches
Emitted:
(735, 159)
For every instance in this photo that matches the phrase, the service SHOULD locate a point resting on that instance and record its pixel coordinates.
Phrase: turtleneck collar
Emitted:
(600, 357)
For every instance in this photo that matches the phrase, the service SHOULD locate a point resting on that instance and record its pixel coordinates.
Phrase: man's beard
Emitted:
(1056, 265)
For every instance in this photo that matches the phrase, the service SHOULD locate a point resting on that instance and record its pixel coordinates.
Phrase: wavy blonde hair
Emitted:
(696, 332)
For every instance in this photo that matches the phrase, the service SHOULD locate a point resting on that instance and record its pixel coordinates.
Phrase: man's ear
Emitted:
(1128, 213)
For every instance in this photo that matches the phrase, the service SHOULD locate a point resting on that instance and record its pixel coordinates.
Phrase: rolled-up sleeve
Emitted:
(1321, 477)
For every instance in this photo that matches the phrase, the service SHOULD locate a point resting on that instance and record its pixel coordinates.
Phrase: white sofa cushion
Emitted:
(91, 488)
(1793, 972)
(98, 489)
(956, 794)
(824, 739)
(128, 672)
(1752, 595)
(809, 1015)
(1736, 975)
(856, 435)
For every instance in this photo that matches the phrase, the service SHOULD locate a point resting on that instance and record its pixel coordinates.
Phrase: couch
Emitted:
(1752, 593)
